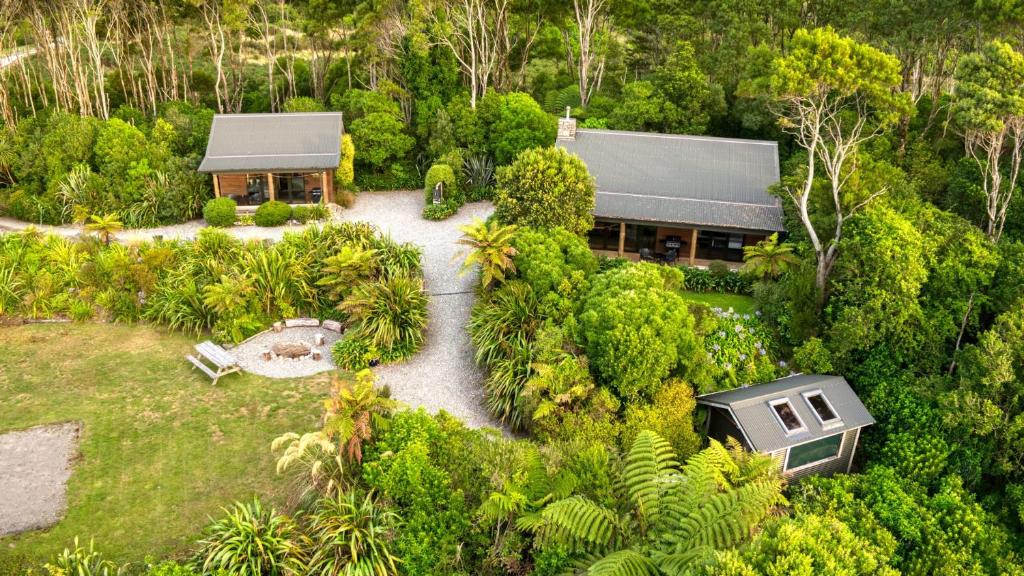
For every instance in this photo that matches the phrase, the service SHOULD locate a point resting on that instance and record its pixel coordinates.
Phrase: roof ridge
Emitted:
(676, 136)
(777, 203)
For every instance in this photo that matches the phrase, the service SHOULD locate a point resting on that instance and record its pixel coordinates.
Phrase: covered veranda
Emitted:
(671, 243)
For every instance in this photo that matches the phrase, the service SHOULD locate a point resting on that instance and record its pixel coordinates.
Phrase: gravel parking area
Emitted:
(36, 465)
(250, 353)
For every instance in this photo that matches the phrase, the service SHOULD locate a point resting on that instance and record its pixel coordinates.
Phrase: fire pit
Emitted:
(291, 349)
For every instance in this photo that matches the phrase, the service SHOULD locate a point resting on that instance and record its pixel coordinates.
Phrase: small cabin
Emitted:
(810, 424)
(290, 157)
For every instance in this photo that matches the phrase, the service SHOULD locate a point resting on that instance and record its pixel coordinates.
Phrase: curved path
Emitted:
(443, 374)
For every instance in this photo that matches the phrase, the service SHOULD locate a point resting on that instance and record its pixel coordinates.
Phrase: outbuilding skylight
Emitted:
(822, 408)
(787, 416)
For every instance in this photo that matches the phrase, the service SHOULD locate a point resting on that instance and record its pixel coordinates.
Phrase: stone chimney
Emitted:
(567, 126)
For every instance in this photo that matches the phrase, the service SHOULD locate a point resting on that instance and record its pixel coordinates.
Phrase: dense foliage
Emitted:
(546, 187)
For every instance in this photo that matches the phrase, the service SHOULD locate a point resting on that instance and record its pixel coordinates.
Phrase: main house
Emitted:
(288, 157)
(667, 196)
(810, 424)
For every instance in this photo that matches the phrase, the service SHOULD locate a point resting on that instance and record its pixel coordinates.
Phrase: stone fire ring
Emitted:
(250, 352)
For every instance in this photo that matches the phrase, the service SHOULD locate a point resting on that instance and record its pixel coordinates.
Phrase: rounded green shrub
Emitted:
(441, 173)
(440, 211)
(220, 212)
(273, 213)
(545, 188)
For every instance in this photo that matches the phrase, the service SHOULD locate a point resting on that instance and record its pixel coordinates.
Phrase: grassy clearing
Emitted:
(739, 303)
(161, 450)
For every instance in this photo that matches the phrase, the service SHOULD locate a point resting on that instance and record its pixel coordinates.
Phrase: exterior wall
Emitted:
(829, 467)
(232, 184)
(721, 426)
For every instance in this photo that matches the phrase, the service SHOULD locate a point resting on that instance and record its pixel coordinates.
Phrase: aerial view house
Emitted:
(288, 157)
(672, 197)
(809, 423)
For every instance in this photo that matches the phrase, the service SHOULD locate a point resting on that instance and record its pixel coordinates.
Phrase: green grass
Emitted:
(739, 303)
(161, 449)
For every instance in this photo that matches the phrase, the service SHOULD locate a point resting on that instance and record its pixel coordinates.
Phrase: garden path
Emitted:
(443, 374)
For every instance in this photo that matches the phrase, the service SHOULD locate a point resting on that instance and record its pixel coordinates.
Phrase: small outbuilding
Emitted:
(810, 424)
(255, 158)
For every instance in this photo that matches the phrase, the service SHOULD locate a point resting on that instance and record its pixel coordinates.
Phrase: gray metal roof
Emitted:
(273, 142)
(676, 179)
(756, 418)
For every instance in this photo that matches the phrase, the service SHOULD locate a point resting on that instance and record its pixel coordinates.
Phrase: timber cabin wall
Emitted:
(834, 466)
(232, 184)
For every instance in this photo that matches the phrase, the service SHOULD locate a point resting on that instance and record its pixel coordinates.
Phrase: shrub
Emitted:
(813, 357)
(445, 174)
(740, 350)
(670, 414)
(557, 264)
(81, 562)
(440, 211)
(313, 213)
(220, 212)
(346, 173)
(514, 122)
(273, 213)
(636, 329)
(251, 539)
(350, 535)
(704, 280)
(354, 353)
(546, 188)
(478, 171)
(390, 313)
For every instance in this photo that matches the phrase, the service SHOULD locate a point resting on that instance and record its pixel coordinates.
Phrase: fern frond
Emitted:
(726, 519)
(648, 475)
(682, 562)
(705, 474)
(573, 521)
(624, 563)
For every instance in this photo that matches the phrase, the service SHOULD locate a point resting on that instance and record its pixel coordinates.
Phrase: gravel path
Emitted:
(443, 375)
(250, 358)
(33, 479)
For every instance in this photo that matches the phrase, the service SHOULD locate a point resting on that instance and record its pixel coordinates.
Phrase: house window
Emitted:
(822, 408)
(814, 452)
(787, 416)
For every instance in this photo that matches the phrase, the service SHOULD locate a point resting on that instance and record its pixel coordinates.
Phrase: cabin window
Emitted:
(814, 452)
(822, 408)
(787, 416)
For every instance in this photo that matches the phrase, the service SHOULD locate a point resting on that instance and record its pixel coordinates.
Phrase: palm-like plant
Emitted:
(81, 562)
(350, 536)
(354, 410)
(769, 258)
(251, 539)
(104, 226)
(666, 517)
(342, 271)
(490, 248)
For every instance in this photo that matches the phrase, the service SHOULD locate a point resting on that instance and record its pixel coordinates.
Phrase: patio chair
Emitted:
(670, 256)
(646, 255)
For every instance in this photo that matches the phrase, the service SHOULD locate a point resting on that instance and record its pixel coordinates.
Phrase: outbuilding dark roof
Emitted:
(751, 407)
(676, 179)
(273, 142)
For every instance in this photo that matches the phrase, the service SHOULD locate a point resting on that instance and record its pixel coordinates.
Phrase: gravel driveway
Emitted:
(443, 375)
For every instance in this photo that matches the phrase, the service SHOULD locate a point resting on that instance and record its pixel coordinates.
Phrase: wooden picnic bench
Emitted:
(224, 362)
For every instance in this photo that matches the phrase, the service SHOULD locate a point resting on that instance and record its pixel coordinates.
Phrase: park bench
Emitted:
(224, 362)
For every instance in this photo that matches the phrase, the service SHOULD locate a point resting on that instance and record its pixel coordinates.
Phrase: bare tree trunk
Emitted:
(589, 17)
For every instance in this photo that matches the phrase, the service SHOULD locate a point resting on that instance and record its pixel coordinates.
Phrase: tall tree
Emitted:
(989, 107)
(831, 94)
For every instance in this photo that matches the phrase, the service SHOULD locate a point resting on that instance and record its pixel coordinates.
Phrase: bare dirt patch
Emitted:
(35, 465)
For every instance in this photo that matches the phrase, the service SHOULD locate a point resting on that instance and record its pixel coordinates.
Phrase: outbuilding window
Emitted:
(787, 416)
(814, 452)
(822, 408)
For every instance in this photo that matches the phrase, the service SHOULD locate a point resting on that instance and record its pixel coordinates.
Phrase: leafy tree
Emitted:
(303, 104)
(691, 99)
(665, 518)
(989, 106)
(832, 94)
(636, 329)
(769, 259)
(547, 188)
(557, 264)
(642, 107)
(380, 139)
(513, 123)
(490, 248)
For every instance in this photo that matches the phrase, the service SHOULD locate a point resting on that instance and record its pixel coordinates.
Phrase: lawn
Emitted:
(739, 303)
(161, 449)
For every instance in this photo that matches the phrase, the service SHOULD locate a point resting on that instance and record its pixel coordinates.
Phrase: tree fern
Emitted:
(624, 563)
(726, 519)
(647, 476)
(576, 522)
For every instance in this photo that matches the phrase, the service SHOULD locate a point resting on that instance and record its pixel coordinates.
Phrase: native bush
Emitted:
(390, 314)
(345, 176)
(220, 212)
(557, 265)
(704, 280)
(444, 174)
(636, 329)
(273, 213)
(514, 122)
(740, 350)
(546, 188)
(305, 214)
(251, 539)
(351, 535)
(670, 415)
